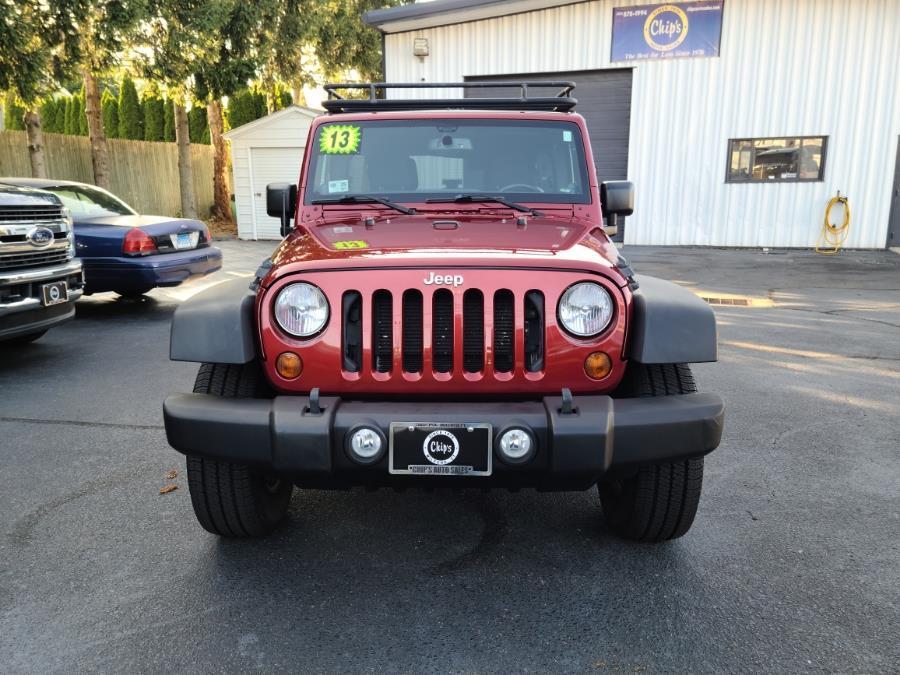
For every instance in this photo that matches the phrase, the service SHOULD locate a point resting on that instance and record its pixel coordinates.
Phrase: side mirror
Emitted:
(616, 199)
(281, 202)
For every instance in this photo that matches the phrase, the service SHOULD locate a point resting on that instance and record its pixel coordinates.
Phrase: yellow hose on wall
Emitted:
(833, 236)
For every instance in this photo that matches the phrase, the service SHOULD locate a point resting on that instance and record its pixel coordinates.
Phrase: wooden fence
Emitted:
(142, 173)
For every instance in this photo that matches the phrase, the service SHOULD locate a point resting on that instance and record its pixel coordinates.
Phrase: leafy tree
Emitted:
(105, 29)
(131, 118)
(154, 114)
(169, 120)
(110, 109)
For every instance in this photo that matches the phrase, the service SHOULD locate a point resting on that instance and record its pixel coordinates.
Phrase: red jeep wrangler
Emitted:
(446, 310)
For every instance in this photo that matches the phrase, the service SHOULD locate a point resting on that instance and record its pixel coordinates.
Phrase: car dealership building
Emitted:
(737, 120)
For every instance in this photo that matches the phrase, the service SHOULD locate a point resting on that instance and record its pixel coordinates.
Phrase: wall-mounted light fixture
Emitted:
(420, 47)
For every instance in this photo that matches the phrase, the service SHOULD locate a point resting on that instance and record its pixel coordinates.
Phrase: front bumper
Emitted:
(21, 309)
(164, 269)
(576, 449)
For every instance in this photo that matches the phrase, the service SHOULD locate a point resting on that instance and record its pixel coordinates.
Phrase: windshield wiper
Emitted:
(366, 199)
(497, 199)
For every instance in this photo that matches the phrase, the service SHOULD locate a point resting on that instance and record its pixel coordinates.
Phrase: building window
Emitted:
(776, 160)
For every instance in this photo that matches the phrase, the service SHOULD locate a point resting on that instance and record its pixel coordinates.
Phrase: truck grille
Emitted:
(30, 214)
(14, 261)
(474, 331)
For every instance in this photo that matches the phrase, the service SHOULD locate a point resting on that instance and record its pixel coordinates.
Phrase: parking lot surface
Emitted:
(792, 564)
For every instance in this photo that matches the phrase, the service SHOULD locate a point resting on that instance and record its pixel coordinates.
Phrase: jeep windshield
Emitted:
(439, 160)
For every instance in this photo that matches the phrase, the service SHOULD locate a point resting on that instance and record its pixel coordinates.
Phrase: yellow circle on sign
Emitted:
(654, 27)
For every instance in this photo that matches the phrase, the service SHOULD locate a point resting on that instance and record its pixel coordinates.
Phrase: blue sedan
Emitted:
(124, 251)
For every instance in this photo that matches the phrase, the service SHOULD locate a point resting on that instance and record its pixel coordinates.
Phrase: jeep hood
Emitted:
(427, 240)
(440, 231)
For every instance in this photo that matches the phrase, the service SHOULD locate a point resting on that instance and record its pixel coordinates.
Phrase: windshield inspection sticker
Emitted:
(338, 186)
(343, 245)
(340, 139)
(567, 136)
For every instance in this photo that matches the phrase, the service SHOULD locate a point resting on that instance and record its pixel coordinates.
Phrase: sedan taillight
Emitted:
(138, 242)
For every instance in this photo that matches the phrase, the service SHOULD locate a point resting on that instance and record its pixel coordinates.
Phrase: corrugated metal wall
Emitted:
(804, 67)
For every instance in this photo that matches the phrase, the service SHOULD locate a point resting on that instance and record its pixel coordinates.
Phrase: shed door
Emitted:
(604, 100)
(271, 165)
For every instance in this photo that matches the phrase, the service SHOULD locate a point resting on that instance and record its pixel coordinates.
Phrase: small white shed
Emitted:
(267, 150)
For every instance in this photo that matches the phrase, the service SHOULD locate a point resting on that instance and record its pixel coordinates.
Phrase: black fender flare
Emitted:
(670, 324)
(215, 326)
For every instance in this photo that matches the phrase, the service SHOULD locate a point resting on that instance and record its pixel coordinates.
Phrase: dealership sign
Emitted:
(667, 31)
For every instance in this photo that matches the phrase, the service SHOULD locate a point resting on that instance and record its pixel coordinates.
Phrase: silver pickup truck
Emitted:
(40, 278)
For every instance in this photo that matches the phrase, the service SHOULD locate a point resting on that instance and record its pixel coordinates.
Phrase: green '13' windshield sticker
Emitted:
(340, 139)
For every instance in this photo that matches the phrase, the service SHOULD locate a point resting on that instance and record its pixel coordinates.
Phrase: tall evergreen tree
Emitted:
(131, 118)
(110, 110)
(13, 113)
(59, 123)
(197, 123)
(82, 115)
(154, 113)
(48, 115)
(68, 127)
(169, 120)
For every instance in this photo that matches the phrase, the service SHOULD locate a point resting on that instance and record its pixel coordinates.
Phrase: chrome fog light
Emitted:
(365, 445)
(516, 446)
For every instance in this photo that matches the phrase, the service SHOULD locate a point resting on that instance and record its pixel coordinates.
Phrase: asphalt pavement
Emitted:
(793, 563)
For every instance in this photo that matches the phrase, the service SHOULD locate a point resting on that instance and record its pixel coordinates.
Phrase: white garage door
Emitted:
(271, 165)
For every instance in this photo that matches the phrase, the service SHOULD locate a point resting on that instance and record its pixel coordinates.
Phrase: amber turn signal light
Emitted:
(289, 365)
(597, 365)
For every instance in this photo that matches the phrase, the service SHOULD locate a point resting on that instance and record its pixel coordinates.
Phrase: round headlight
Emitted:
(585, 309)
(301, 309)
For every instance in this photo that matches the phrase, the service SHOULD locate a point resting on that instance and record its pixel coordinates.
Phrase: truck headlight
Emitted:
(585, 309)
(301, 309)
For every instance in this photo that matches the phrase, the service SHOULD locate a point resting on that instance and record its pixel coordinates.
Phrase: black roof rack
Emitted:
(562, 101)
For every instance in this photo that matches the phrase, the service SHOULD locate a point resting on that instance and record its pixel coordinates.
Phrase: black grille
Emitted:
(382, 331)
(31, 214)
(534, 331)
(473, 331)
(412, 331)
(14, 261)
(351, 347)
(442, 331)
(504, 328)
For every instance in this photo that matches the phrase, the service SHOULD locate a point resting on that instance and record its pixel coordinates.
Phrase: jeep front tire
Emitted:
(232, 499)
(659, 501)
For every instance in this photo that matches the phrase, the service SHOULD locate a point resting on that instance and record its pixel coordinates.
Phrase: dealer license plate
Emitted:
(184, 240)
(439, 449)
(55, 293)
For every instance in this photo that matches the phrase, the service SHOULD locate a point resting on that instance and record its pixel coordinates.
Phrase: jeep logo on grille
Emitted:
(40, 237)
(444, 280)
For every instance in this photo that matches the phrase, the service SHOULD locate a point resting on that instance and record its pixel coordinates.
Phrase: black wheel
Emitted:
(231, 499)
(659, 501)
(25, 339)
(133, 293)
